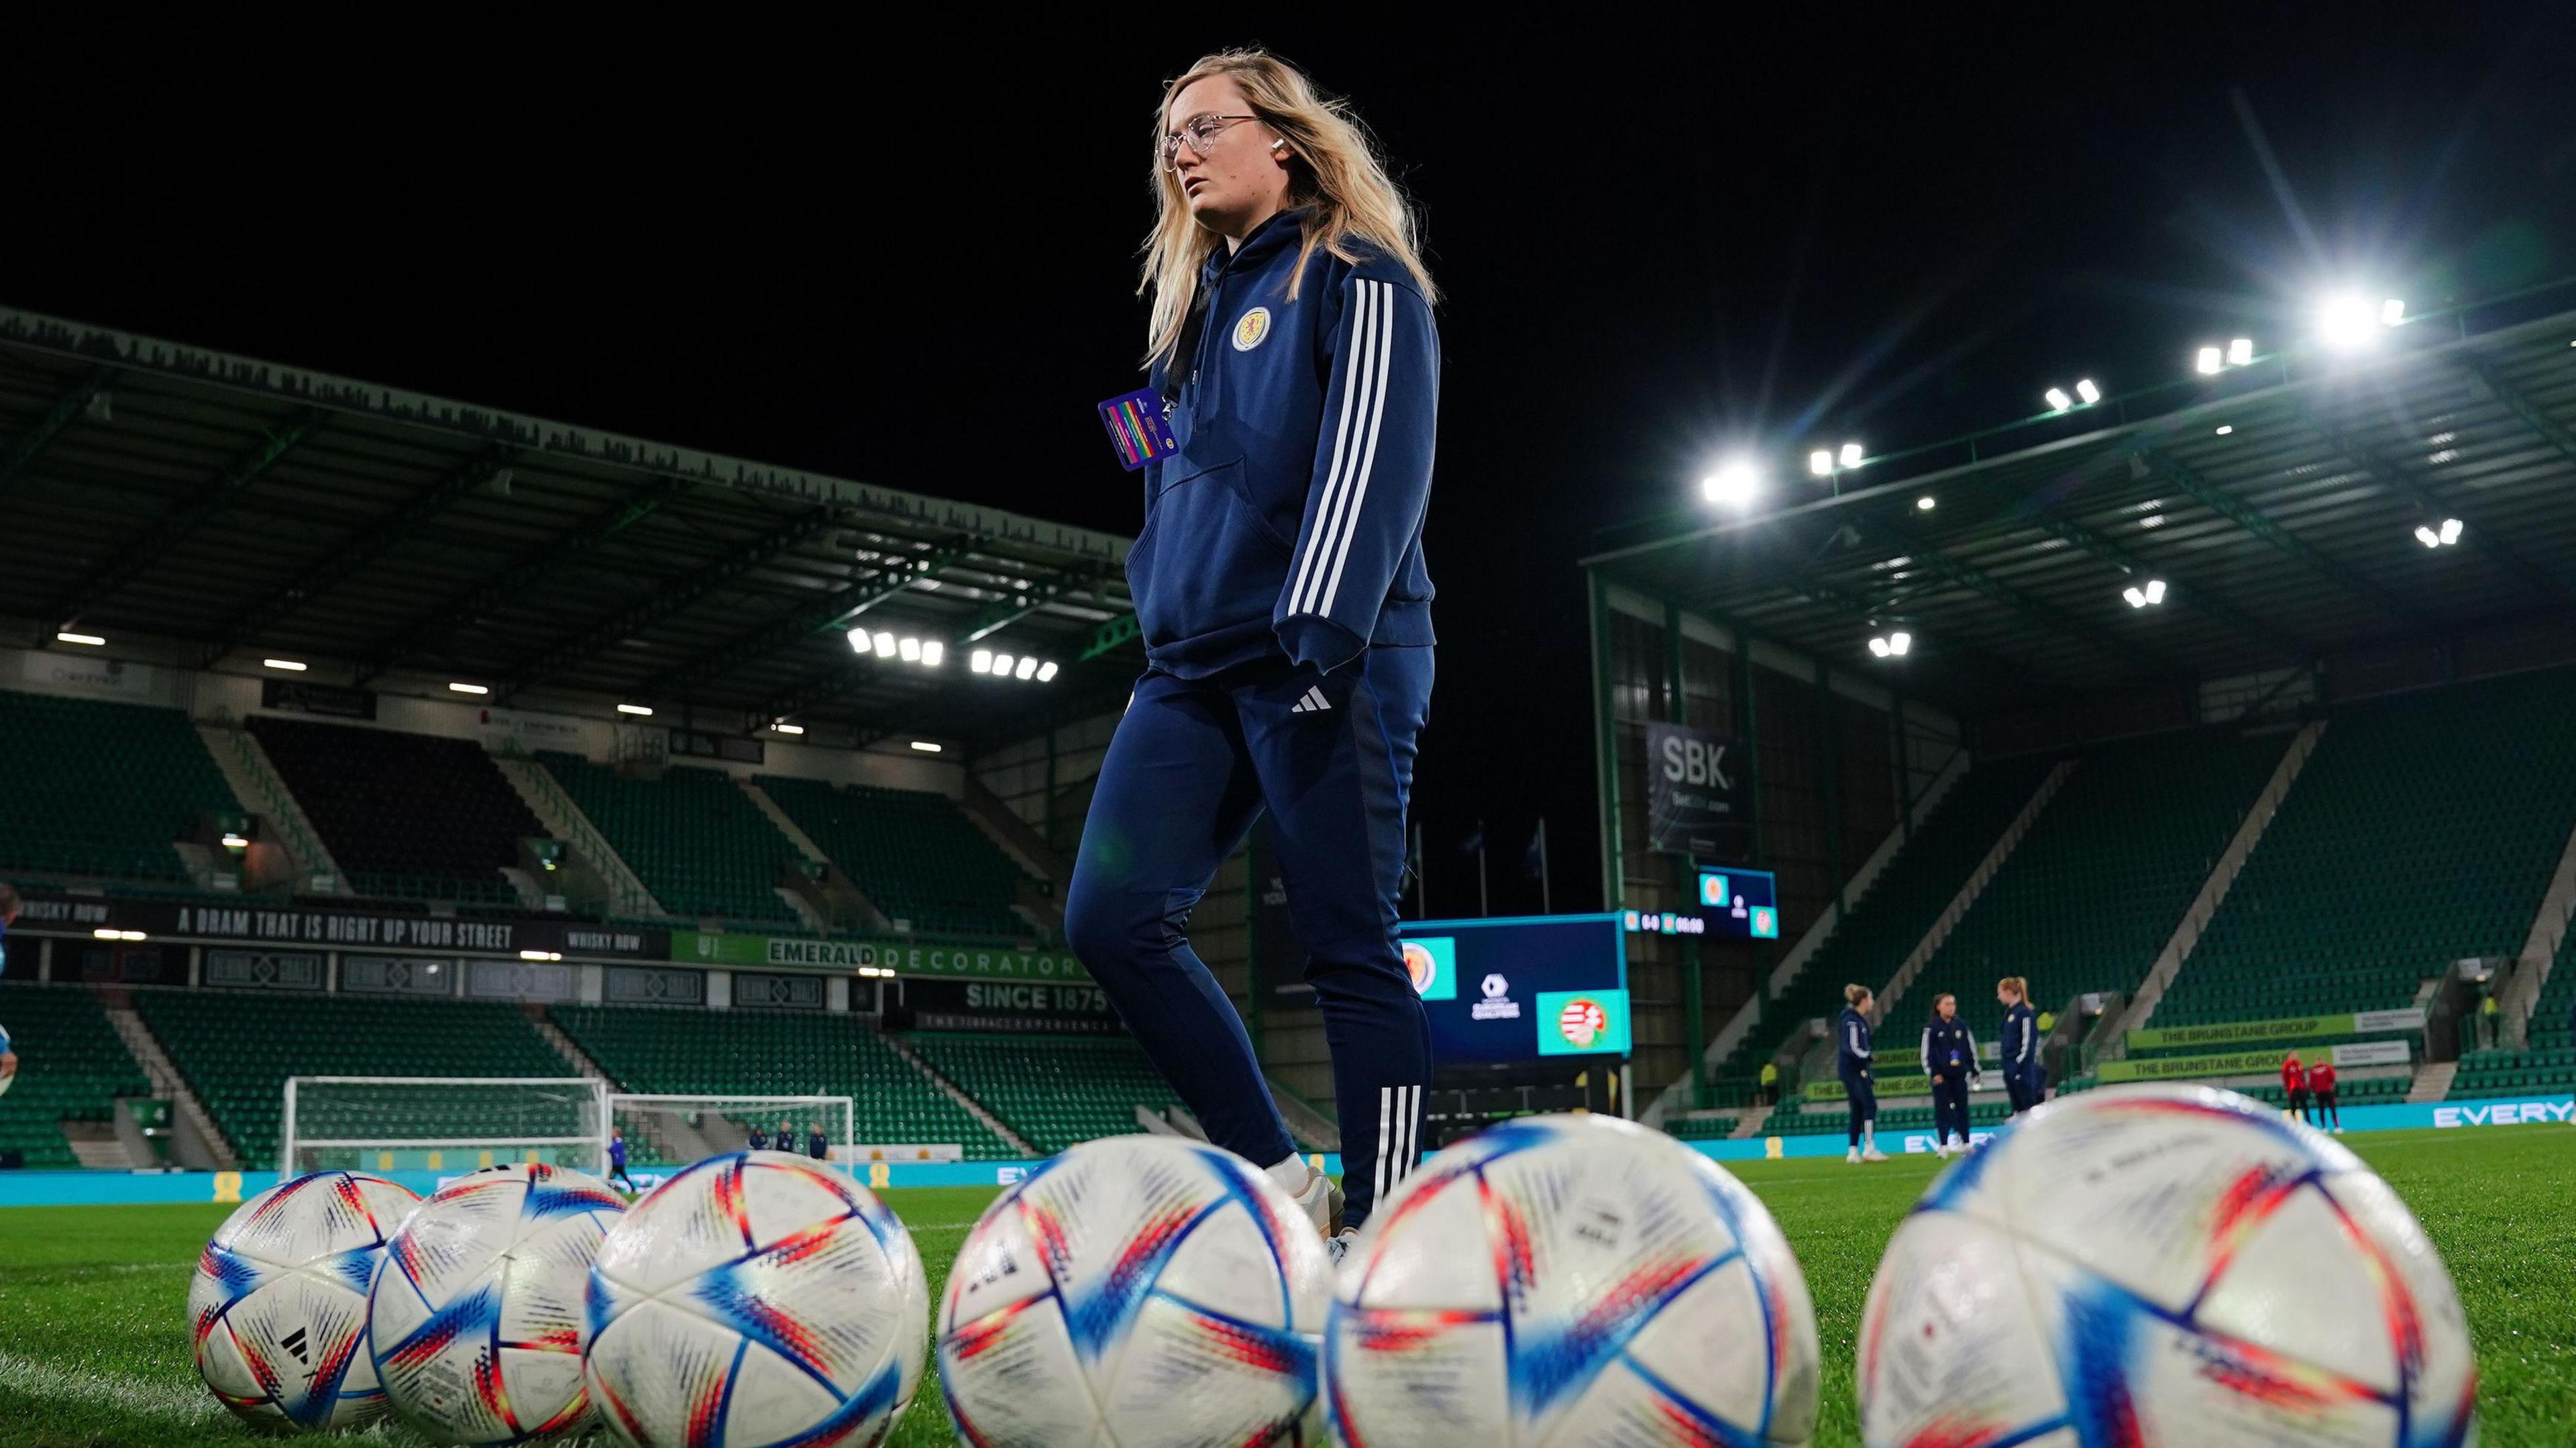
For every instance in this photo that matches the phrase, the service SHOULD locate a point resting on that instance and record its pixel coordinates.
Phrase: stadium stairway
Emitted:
(2538, 966)
(2423, 830)
(199, 1143)
(291, 851)
(692, 837)
(842, 902)
(1970, 890)
(916, 855)
(975, 1108)
(621, 894)
(2213, 891)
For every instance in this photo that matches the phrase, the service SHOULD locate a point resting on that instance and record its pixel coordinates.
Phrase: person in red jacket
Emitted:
(2294, 1084)
(2321, 1085)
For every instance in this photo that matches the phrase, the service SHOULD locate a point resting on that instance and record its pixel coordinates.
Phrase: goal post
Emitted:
(665, 1130)
(442, 1123)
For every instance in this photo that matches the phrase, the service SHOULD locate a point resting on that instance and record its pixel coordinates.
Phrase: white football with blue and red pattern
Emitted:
(756, 1300)
(1136, 1292)
(2163, 1266)
(279, 1300)
(476, 1317)
(1573, 1281)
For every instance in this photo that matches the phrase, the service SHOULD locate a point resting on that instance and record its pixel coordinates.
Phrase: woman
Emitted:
(2025, 1079)
(2294, 1085)
(1950, 1059)
(1851, 1062)
(1286, 613)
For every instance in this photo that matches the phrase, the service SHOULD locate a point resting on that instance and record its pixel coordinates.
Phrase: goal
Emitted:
(674, 1131)
(442, 1123)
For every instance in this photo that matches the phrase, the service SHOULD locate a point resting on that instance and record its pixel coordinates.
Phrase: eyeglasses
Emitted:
(1201, 132)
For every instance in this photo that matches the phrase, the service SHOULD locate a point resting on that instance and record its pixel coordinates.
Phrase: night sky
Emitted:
(911, 262)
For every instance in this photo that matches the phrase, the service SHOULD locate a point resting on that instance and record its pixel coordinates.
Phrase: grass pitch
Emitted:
(94, 1342)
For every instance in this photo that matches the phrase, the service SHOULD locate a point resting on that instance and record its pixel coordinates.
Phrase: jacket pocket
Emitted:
(1208, 558)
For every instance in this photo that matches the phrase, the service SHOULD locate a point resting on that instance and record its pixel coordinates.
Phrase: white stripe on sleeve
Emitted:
(1368, 459)
(1359, 382)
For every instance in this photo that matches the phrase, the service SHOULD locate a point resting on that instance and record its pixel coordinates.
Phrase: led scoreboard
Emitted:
(1732, 905)
(1506, 990)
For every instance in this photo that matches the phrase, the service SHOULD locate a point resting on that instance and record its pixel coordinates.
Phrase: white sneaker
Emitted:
(1873, 1154)
(1942, 1151)
(1852, 1155)
(1338, 1246)
(1321, 1201)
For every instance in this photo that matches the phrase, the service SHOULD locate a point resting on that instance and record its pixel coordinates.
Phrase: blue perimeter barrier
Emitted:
(111, 1188)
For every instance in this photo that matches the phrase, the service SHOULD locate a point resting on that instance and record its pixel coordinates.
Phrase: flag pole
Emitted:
(1484, 903)
(1546, 906)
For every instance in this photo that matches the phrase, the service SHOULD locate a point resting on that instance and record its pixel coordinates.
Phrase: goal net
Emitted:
(439, 1123)
(675, 1131)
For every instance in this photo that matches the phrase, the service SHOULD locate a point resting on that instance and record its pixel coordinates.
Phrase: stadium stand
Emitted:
(2422, 830)
(1909, 894)
(915, 854)
(237, 1049)
(1052, 1090)
(1821, 1118)
(692, 836)
(2093, 891)
(2548, 1064)
(102, 790)
(408, 816)
(755, 1053)
(71, 1067)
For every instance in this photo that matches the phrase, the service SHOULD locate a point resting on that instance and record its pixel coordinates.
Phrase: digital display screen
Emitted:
(1739, 904)
(1518, 989)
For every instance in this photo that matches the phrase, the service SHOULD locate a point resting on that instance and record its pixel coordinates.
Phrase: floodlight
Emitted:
(641, 710)
(288, 665)
(1925, 504)
(468, 689)
(2240, 351)
(2225, 428)
(93, 640)
(2346, 322)
(1027, 666)
(2450, 530)
(1851, 455)
(2392, 312)
(1878, 646)
(2086, 390)
(910, 648)
(1821, 463)
(925, 746)
(2136, 598)
(783, 727)
(2155, 590)
(884, 642)
(1733, 484)
(2427, 536)
(2209, 361)
(980, 661)
(1046, 671)
(1001, 666)
(1898, 642)
(859, 641)
(2058, 401)
(933, 653)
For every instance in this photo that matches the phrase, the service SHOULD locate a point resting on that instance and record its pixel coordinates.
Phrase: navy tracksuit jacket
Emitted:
(1286, 613)
(1950, 1059)
(2024, 1077)
(1852, 1063)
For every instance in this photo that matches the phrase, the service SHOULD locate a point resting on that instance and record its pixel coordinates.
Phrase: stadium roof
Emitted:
(199, 508)
(2277, 502)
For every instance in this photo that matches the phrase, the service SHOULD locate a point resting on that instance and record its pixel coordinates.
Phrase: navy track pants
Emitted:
(1193, 764)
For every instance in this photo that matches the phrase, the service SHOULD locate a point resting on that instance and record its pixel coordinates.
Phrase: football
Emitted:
(1137, 1291)
(279, 1300)
(2167, 1267)
(475, 1321)
(1577, 1281)
(756, 1297)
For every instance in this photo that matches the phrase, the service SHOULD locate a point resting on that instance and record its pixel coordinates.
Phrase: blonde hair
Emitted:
(2019, 987)
(1853, 995)
(1333, 167)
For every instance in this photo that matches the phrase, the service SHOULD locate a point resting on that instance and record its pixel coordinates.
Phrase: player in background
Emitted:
(2321, 1090)
(2294, 1085)
(1950, 1059)
(8, 917)
(815, 1146)
(2025, 1079)
(617, 1157)
(758, 1138)
(1852, 1063)
(1286, 612)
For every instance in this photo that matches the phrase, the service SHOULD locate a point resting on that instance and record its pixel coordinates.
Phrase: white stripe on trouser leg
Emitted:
(1354, 399)
(1385, 1117)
